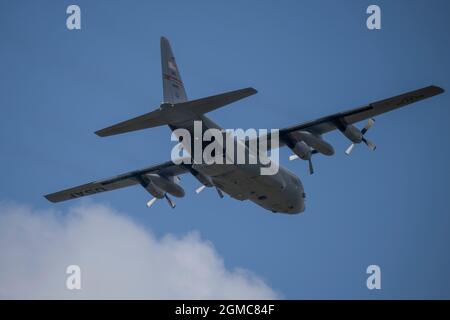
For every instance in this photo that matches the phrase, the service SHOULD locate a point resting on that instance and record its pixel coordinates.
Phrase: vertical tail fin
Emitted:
(173, 87)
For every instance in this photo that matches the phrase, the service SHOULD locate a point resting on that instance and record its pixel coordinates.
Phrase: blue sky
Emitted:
(307, 59)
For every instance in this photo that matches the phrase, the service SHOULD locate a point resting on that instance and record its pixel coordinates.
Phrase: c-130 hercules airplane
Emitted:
(282, 192)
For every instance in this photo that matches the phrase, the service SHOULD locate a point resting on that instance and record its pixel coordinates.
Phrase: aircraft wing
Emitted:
(121, 181)
(332, 122)
(340, 119)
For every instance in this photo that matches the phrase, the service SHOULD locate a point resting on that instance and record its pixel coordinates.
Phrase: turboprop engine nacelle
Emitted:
(151, 188)
(353, 133)
(302, 142)
(313, 141)
(357, 136)
(302, 150)
(158, 185)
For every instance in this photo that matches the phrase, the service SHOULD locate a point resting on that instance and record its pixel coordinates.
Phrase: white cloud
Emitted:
(118, 259)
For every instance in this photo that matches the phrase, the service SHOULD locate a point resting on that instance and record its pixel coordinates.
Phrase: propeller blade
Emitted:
(219, 192)
(170, 201)
(311, 169)
(293, 157)
(151, 202)
(349, 149)
(368, 125)
(369, 144)
(200, 189)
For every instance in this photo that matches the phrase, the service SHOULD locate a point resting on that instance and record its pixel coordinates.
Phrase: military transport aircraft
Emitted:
(282, 192)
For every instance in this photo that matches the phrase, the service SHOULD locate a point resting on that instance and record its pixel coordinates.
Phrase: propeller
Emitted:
(310, 164)
(368, 143)
(220, 193)
(169, 200)
(202, 187)
(151, 202)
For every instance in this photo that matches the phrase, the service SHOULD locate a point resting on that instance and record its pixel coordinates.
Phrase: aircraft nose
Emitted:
(298, 206)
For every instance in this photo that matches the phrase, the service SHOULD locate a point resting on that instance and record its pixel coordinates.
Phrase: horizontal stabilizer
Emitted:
(148, 120)
(176, 113)
(204, 105)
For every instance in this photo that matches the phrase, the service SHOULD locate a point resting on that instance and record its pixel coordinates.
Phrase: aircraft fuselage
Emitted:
(282, 192)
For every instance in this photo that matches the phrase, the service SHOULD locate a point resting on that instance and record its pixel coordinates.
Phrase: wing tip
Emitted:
(438, 89)
(249, 91)
(252, 90)
(101, 133)
(50, 198)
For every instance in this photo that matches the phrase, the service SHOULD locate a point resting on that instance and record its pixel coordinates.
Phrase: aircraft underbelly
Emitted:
(278, 193)
(229, 178)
